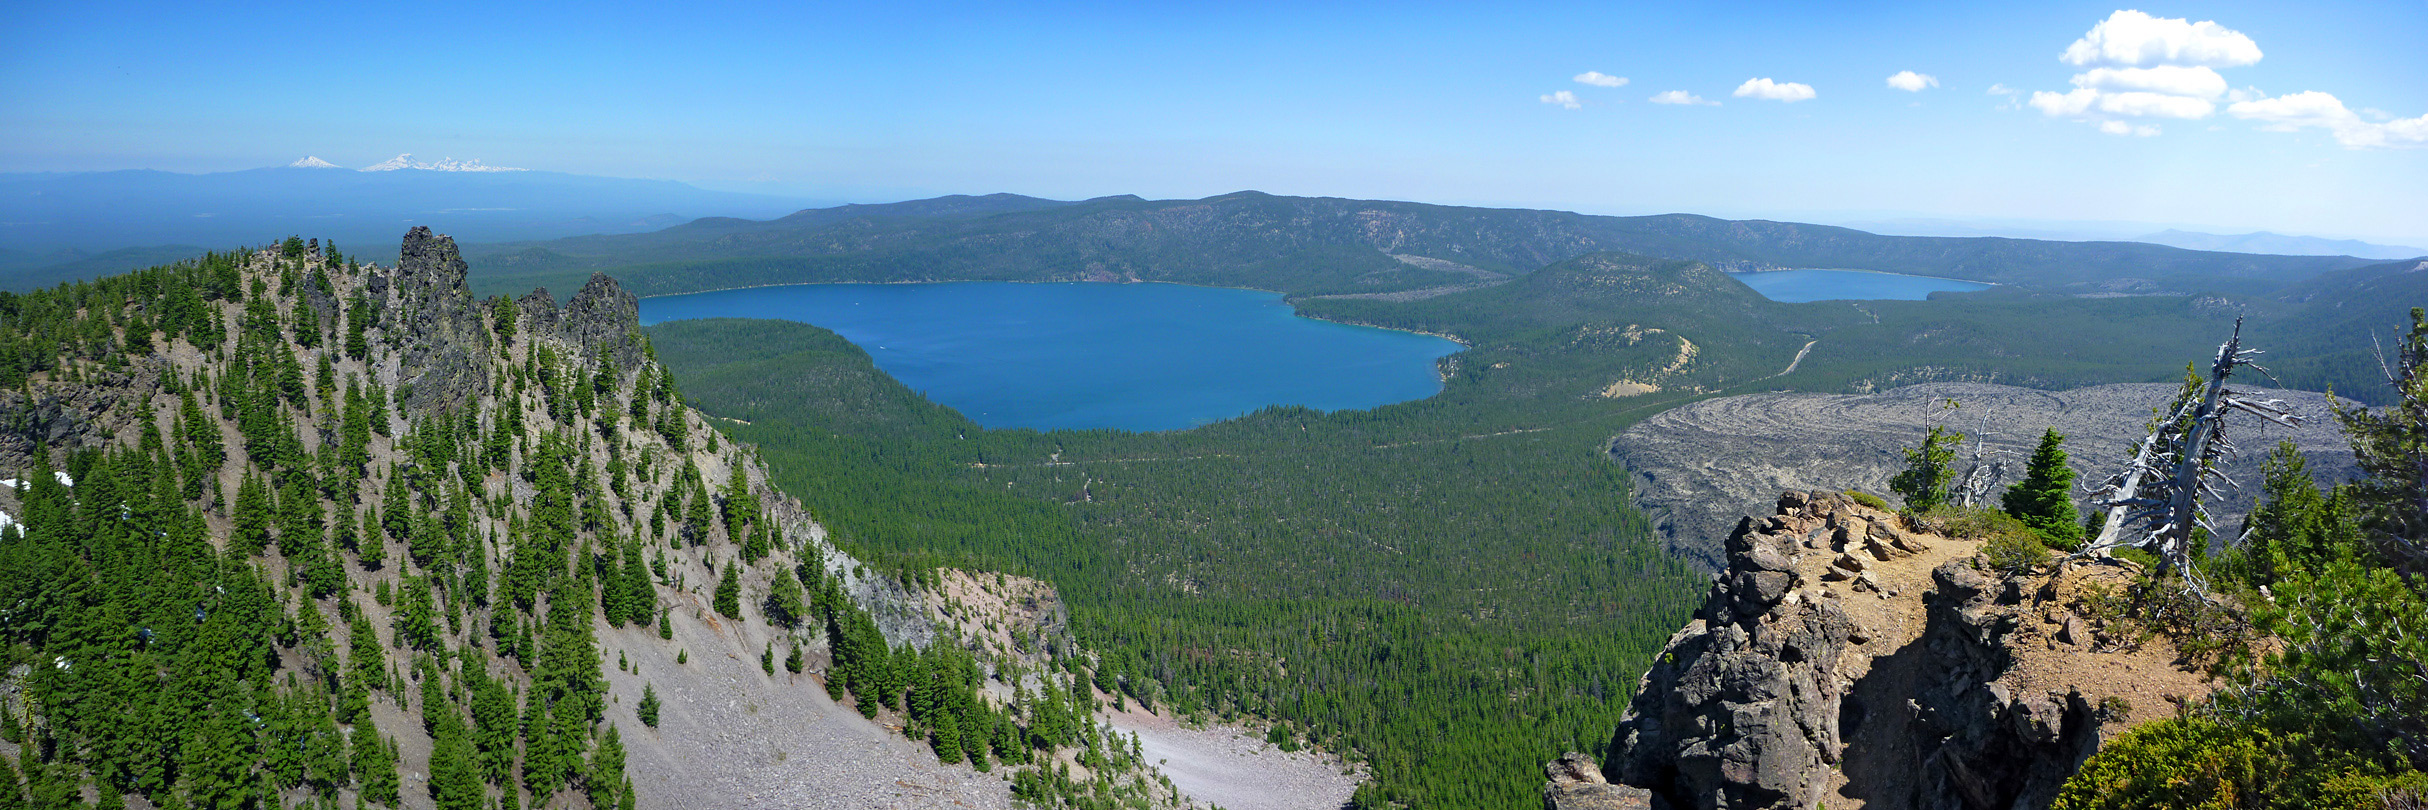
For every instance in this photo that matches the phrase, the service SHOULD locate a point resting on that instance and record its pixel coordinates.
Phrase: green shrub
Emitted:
(1868, 499)
(2198, 761)
(1972, 522)
(2012, 553)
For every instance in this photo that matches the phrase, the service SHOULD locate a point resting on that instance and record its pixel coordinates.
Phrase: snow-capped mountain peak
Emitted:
(406, 161)
(310, 162)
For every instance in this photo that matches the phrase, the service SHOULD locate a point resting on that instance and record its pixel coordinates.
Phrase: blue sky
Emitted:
(1437, 103)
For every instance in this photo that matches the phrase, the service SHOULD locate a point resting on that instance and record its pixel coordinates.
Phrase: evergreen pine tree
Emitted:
(605, 776)
(375, 764)
(648, 707)
(455, 783)
(252, 515)
(729, 592)
(1929, 470)
(373, 544)
(2044, 500)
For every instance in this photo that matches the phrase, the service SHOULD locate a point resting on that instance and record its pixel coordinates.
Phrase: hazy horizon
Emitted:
(2224, 118)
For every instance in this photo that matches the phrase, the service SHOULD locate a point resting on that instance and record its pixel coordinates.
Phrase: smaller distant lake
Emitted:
(1138, 357)
(1799, 286)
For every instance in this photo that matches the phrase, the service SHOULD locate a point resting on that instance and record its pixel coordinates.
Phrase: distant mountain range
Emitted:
(47, 219)
(2265, 242)
(1312, 246)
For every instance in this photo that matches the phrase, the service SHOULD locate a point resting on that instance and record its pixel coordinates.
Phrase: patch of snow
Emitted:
(310, 162)
(60, 476)
(406, 161)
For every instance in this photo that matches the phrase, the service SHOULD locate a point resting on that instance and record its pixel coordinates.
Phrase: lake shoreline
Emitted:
(1142, 357)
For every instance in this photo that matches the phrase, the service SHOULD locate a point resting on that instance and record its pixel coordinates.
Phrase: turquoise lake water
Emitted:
(1139, 357)
(1799, 286)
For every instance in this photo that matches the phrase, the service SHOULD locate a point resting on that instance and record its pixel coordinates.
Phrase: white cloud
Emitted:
(2064, 105)
(2139, 66)
(1912, 82)
(1600, 79)
(2155, 105)
(1563, 98)
(2014, 97)
(2313, 109)
(2173, 80)
(1775, 91)
(2122, 128)
(1681, 97)
(2089, 104)
(2130, 38)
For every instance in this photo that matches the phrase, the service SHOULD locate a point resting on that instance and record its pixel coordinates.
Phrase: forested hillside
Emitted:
(285, 529)
(1305, 246)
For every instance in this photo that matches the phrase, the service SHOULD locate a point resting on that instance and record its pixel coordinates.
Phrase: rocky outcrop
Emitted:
(537, 311)
(1577, 784)
(432, 319)
(601, 320)
(604, 320)
(1741, 709)
(1849, 654)
(1999, 745)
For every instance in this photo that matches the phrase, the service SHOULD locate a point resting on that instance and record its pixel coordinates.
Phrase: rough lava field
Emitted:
(1701, 467)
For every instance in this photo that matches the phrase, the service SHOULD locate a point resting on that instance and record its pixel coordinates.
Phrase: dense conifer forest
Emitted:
(275, 563)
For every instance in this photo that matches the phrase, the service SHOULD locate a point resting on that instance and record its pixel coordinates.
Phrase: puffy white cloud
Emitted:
(1563, 98)
(2122, 128)
(2140, 66)
(2155, 105)
(1681, 97)
(2086, 103)
(1600, 79)
(2130, 37)
(1912, 82)
(2173, 80)
(1775, 91)
(2313, 109)
(2064, 105)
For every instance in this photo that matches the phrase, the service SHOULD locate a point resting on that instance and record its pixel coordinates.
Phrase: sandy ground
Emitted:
(1234, 768)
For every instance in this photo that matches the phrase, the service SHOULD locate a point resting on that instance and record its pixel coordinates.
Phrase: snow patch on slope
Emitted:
(406, 161)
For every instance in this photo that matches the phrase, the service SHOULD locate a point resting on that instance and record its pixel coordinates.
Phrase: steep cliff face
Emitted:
(1847, 657)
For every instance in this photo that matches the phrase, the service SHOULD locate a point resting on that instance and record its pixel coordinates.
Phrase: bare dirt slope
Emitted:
(1701, 466)
(730, 735)
(1232, 767)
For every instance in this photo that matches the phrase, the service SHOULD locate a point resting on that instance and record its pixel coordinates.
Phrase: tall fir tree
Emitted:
(2044, 500)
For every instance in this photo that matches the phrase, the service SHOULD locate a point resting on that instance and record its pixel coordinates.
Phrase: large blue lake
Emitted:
(1137, 357)
(1799, 286)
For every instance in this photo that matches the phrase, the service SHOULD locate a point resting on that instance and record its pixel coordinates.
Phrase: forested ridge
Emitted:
(288, 529)
(1304, 246)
